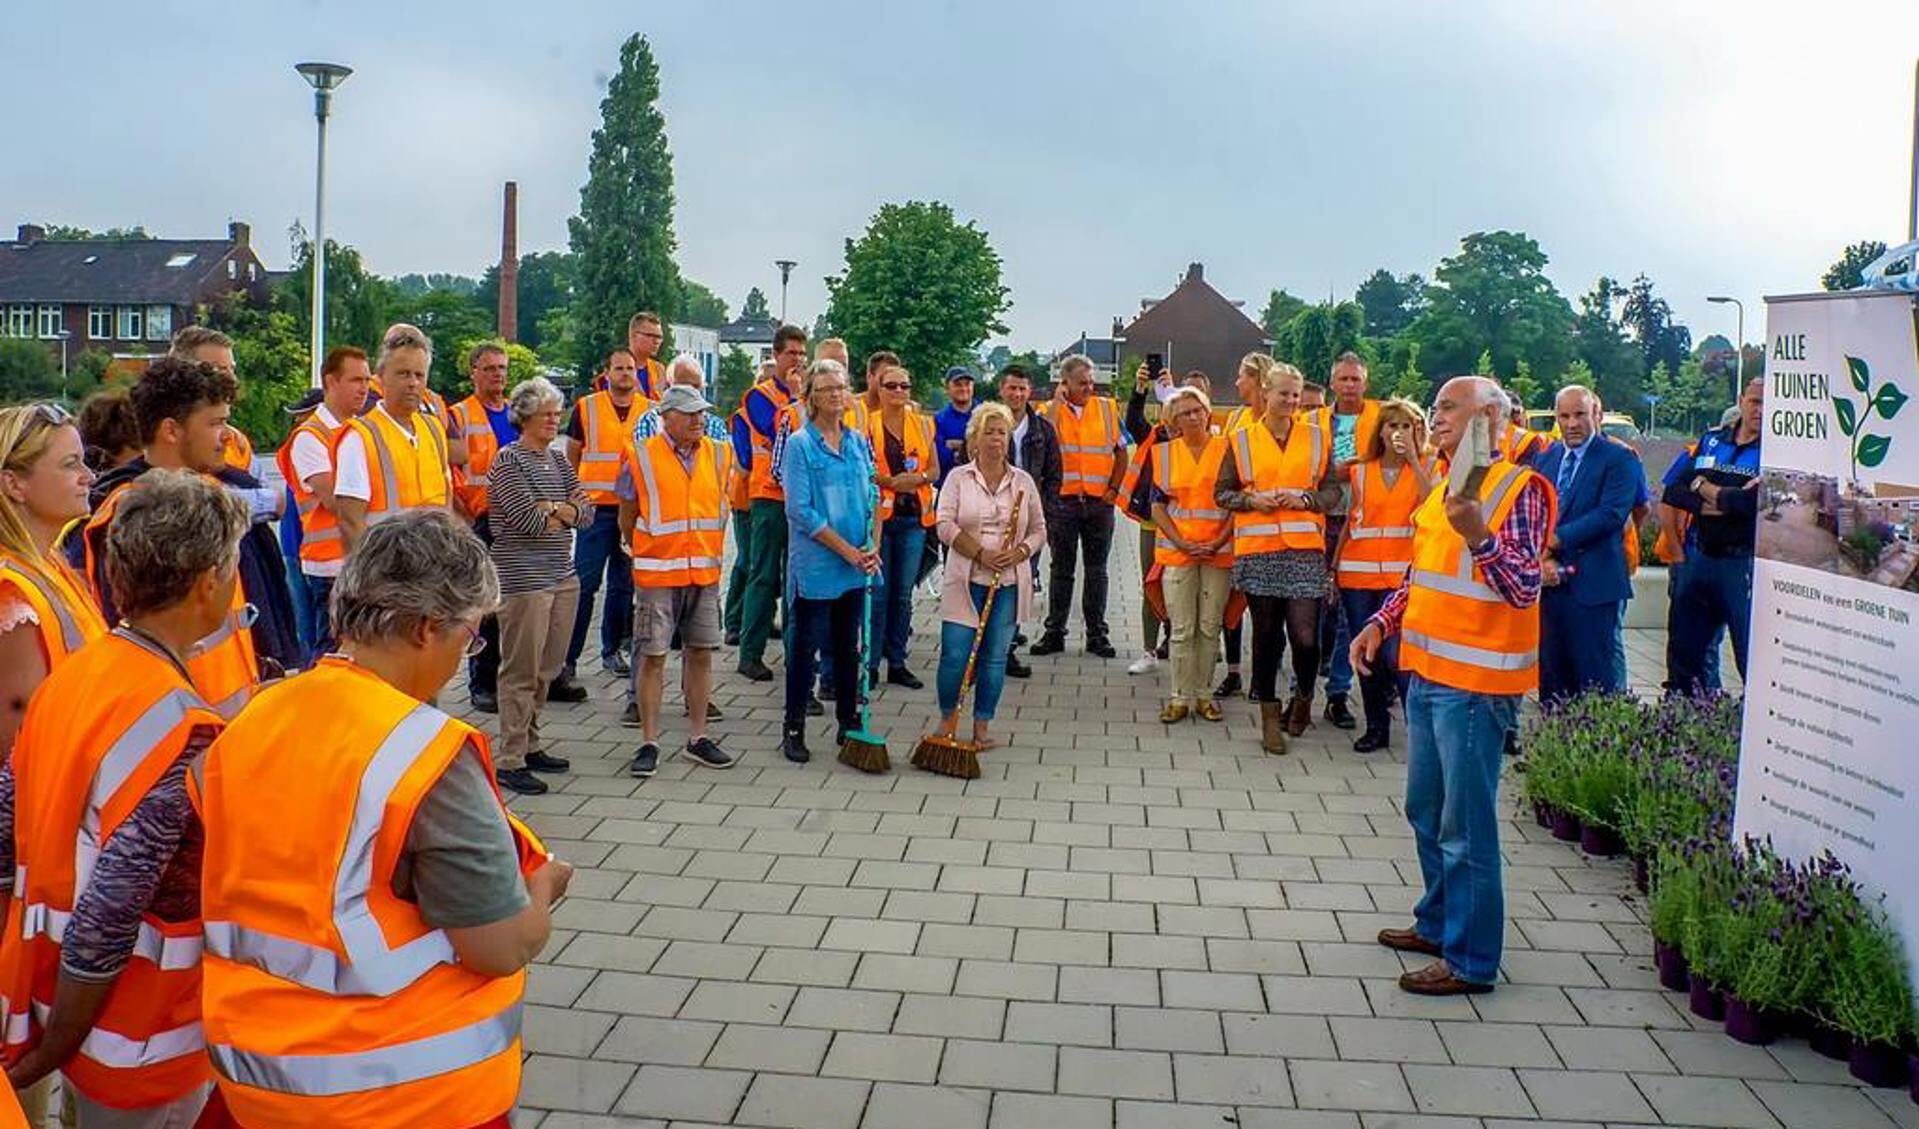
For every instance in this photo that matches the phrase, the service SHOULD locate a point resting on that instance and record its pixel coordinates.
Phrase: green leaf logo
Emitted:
(1848, 415)
(1888, 400)
(1861, 375)
(1873, 449)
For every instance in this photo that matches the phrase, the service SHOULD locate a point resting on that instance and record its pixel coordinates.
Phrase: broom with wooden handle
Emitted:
(946, 754)
(864, 749)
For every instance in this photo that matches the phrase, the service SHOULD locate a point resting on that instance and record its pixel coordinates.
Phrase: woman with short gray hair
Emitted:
(536, 504)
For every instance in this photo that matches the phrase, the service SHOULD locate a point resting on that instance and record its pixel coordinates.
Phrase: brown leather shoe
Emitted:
(1299, 715)
(1407, 941)
(1272, 728)
(1437, 979)
(1174, 712)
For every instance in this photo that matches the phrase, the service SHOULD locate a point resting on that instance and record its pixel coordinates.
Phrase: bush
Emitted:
(1867, 996)
(28, 371)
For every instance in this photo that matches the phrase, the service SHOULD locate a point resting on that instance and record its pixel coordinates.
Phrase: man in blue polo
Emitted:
(949, 426)
(1719, 485)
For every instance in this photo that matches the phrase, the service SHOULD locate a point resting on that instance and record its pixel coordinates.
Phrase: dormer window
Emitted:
(181, 259)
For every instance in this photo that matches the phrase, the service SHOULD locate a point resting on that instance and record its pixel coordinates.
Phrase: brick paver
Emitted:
(1119, 924)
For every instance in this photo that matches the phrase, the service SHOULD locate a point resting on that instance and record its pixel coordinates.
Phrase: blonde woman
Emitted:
(1193, 546)
(1247, 382)
(1388, 482)
(906, 464)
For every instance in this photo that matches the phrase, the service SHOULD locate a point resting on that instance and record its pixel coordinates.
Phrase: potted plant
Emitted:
(1675, 895)
(1867, 994)
(1710, 963)
(1773, 945)
(1602, 786)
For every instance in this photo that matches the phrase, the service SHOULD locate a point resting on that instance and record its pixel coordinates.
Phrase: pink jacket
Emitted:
(966, 505)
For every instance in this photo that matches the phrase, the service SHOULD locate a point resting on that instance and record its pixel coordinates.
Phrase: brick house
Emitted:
(127, 296)
(1194, 327)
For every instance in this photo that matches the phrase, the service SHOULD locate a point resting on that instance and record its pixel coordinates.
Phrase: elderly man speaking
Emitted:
(1468, 622)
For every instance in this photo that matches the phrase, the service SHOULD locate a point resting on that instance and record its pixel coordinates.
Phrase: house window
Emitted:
(253, 272)
(233, 269)
(52, 320)
(159, 323)
(99, 323)
(132, 323)
(20, 321)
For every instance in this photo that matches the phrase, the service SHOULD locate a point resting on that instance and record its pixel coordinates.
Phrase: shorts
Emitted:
(692, 612)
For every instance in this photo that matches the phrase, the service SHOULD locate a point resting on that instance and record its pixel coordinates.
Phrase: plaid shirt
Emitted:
(1509, 561)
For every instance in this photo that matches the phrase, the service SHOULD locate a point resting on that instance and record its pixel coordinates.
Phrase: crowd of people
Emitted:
(177, 948)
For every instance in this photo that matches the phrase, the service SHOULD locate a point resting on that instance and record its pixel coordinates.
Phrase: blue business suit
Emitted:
(1580, 642)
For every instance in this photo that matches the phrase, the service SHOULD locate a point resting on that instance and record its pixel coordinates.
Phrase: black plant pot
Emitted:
(1565, 826)
(1671, 963)
(1642, 875)
(1599, 842)
(1754, 1026)
(1877, 1064)
(1542, 813)
(1827, 1040)
(1706, 1001)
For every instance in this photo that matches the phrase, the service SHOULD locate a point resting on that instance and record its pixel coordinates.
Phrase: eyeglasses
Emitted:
(829, 388)
(896, 386)
(51, 414)
(475, 642)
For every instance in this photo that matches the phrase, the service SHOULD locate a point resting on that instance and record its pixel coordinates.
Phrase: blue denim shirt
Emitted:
(826, 488)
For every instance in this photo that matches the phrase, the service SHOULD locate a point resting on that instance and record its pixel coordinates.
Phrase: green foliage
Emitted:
(545, 284)
(455, 324)
(28, 371)
(414, 285)
(1525, 385)
(755, 308)
(1484, 365)
(1407, 381)
(1317, 335)
(270, 354)
(922, 284)
(1615, 366)
(1281, 308)
(1847, 273)
(1390, 303)
(359, 304)
(1494, 296)
(736, 376)
(1688, 397)
(623, 236)
(87, 373)
(1648, 319)
(700, 306)
(64, 231)
(1868, 995)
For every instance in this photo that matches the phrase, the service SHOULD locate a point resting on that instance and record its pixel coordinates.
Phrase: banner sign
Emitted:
(1832, 680)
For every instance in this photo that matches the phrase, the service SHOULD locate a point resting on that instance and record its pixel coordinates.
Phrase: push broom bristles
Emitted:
(866, 752)
(947, 756)
(864, 749)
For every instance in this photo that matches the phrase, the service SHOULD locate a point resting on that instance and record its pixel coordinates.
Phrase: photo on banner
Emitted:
(1833, 682)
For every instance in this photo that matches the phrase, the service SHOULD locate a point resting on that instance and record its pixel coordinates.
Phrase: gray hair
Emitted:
(531, 397)
(1074, 361)
(690, 363)
(401, 335)
(194, 336)
(421, 568)
(819, 368)
(171, 529)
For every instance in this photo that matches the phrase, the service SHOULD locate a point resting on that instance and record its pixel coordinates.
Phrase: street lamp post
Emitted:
(1738, 346)
(786, 271)
(64, 335)
(324, 78)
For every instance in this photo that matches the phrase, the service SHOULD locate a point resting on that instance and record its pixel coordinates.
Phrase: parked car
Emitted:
(1618, 425)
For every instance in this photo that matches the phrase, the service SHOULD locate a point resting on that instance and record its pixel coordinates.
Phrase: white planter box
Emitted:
(1649, 598)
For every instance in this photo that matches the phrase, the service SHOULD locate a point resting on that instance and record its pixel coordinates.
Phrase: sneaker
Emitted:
(814, 707)
(616, 664)
(522, 781)
(630, 717)
(646, 761)
(754, 670)
(900, 676)
(1228, 686)
(1145, 664)
(1048, 645)
(793, 745)
(707, 753)
(1017, 669)
(564, 689)
(1100, 648)
(485, 701)
(1339, 712)
(538, 761)
(1371, 741)
(712, 711)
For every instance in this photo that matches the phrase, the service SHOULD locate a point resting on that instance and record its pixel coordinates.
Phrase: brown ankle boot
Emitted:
(1299, 715)
(1272, 728)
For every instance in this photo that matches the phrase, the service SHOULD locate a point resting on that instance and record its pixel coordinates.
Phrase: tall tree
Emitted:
(545, 284)
(65, 231)
(922, 284)
(1614, 364)
(1317, 335)
(1281, 308)
(455, 324)
(1494, 296)
(359, 304)
(623, 236)
(735, 377)
(270, 354)
(755, 308)
(1661, 340)
(1847, 272)
(414, 285)
(1390, 303)
(700, 306)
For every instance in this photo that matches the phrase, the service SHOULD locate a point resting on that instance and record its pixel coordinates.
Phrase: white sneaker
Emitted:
(1145, 664)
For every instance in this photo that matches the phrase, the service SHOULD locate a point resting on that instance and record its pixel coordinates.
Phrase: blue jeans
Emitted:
(597, 550)
(1454, 748)
(902, 544)
(319, 591)
(1376, 689)
(1709, 666)
(1712, 594)
(302, 606)
(989, 673)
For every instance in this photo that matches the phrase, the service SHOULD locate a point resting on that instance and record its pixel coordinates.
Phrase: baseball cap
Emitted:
(683, 398)
(957, 372)
(313, 398)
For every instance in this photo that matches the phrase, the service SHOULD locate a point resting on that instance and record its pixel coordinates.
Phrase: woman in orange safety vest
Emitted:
(1392, 477)
(1192, 546)
(370, 907)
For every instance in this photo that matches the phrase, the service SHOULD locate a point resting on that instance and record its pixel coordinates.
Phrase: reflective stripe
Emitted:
(1374, 567)
(389, 478)
(370, 968)
(1266, 530)
(230, 706)
(478, 480)
(657, 564)
(132, 747)
(19, 1027)
(1367, 533)
(330, 533)
(1181, 513)
(320, 1076)
(121, 1053)
(1470, 656)
(70, 634)
(169, 953)
(599, 456)
(1456, 586)
(1298, 527)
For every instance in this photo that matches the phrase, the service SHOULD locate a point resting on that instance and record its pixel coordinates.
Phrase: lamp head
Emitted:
(324, 76)
(1719, 299)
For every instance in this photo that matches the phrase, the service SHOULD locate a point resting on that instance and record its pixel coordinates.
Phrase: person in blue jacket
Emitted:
(1719, 485)
(1585, 567)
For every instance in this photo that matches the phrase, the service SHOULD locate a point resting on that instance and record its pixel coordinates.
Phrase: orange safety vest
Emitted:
(224, 666)
(1362, 435)
(1523, 445)
(68, 618)
(916, 434)
(403, 476)
(328, 999)
(1089, 440)
(1457, 630)
(679, 531)
(1129, 482)
(1378, 548)
(320, 539)
(470, 481)
(11, 1115)
(99, 733)
(1189, 481)
(238, 452)
(1264, 465)
(761, 485)
(608, 438)
(1241, 418)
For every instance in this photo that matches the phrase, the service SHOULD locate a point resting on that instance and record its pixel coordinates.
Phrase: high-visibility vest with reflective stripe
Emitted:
(405, 472)
(99, 733)
(224, 666)
(1089, 443)
(916, 435)
(1129, 482)
(1241, 418)
(608, 438)
(1363, 433)
(739, 481)
(328, 999)
(1189, 482)
(320, 538)
(431, 402)
(469, 480)
(1264, 465)
(1378, 548)
(66, 614)
(238, 452)
(761, 485)
(1457, 629)
(679, 530)
(1522, 445)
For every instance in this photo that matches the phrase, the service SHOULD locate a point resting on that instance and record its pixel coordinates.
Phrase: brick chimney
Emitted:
(31, 233)
(510, 264)
(1195, 272)
(239, 234)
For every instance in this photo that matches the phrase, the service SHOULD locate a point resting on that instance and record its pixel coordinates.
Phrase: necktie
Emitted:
(1567, 468)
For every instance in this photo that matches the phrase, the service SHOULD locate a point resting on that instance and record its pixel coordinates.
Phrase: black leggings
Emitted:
(1275, 620)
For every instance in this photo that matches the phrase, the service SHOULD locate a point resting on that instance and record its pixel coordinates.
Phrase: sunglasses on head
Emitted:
(51, 414)
(896, 386)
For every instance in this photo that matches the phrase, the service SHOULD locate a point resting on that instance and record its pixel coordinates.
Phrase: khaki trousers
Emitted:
(535, 628)
(1195, 603)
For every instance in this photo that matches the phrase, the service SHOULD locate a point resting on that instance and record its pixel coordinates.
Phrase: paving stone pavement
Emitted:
(1120, 924)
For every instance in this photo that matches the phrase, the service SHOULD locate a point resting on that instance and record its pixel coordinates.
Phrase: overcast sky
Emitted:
(1731, 146)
